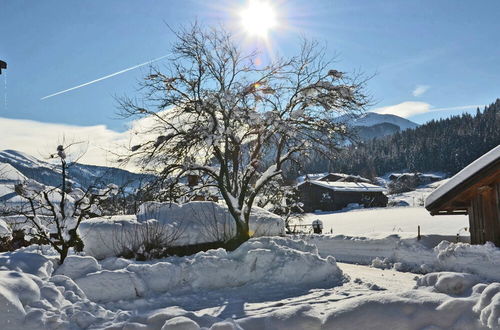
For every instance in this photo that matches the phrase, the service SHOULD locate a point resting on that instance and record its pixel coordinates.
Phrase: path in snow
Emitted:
(243, 302)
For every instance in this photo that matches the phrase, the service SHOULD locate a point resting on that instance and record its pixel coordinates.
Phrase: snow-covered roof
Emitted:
(347, 186)
(459, 178)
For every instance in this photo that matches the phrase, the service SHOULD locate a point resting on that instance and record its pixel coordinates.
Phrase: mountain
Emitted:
(376, 131)
(445, 145)
(78, 174)
(372, 118)
(373, 125)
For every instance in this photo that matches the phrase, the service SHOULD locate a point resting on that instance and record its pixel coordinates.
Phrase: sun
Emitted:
(258, 18)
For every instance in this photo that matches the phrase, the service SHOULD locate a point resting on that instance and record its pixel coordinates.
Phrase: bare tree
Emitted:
(53, 214)
(216, 111)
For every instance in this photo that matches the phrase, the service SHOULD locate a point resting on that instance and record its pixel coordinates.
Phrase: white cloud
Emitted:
(411, 108)
(100, 145)
(420, 90)
(40, 139)
(405, 109)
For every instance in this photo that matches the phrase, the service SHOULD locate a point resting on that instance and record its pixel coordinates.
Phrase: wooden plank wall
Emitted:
(484, 216)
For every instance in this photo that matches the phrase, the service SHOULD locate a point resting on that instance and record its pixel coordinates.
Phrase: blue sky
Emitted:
(426, 55)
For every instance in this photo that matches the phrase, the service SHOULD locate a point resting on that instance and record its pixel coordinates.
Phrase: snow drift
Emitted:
(424, 256)
(279, 261)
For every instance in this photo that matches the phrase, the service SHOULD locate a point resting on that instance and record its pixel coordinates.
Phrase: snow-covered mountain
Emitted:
(372, 118)
(79, 174)
(373, 125)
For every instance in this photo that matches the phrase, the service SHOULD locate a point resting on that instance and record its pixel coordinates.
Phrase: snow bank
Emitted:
(412, 255)
(31, 299)
(416, 309)
(77, 266)
(449, 282)
(16, 290)
(488, 305)
(178, 225)
(276, 261)
(30, 263)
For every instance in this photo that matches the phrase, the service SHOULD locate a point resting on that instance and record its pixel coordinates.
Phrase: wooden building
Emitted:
(474, 191)
(341, 177)
(336, 195)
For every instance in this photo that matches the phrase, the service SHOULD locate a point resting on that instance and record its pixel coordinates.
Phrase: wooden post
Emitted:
(418, 236)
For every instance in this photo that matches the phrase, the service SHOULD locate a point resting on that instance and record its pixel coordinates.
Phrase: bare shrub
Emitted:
(144, 241)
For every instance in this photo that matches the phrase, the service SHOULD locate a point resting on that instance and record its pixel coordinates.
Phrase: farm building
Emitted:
(336, 195)
(341, 177)
(474, 191)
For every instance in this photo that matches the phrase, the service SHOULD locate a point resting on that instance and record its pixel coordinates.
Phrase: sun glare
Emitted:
(258, 18)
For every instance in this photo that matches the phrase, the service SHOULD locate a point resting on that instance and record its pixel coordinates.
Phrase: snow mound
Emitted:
(30, 263)
(180, 323)
(449, 282)
(77, 266)
(178, 225)
(30, 302)
(410, 310)
(488, 306)
(410, 254)
(16, 290)
(277, 261)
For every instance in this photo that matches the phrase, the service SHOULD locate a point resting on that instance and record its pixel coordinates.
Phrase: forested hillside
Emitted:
(446, 145)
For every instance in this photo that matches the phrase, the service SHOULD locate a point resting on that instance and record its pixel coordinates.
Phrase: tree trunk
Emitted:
(242, 235)
(63, 254)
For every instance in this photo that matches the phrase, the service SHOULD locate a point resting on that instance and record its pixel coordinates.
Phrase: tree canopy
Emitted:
(215, 111)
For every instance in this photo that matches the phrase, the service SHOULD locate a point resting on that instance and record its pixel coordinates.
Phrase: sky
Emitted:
(429, 59)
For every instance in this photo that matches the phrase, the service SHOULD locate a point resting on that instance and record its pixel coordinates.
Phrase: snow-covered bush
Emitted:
(159, 226)
(52, 214)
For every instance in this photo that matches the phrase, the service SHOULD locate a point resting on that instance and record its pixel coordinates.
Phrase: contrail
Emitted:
(105, 77)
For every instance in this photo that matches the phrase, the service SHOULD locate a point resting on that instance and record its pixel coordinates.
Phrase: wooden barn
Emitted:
(336, 195)
(343, 177)
(474, 191)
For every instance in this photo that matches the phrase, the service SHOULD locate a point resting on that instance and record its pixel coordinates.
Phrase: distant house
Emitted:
(341, 177)
(474, 191)
(336, 195)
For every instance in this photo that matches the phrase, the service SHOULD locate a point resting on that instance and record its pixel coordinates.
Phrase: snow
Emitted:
(29, 263)
(186, 224)
(376, 222)
(474, 167)
(5, 231)
(78, 266)
(347, 186)
(391, 280)
(10, 174)
(409, 254)
(265, 259)
(449, 282)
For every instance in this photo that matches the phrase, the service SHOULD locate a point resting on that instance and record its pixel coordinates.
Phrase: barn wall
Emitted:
(484, 216)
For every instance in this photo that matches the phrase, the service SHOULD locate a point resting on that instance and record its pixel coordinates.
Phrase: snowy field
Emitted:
(391, 220)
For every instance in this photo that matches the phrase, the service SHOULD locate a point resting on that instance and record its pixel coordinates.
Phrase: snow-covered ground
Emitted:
(378, 222)
(268, 283)
(401, 220)
(385, 279)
